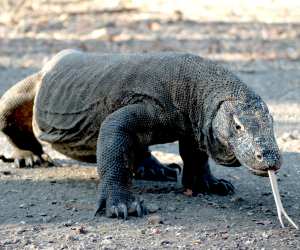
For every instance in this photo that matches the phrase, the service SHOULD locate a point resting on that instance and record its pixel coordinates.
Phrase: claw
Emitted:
(29, 162)
(37, 160)
(45, 158)
(115, 211)
(19, 163)
(139, 210)
(124, 210)
(210, 184)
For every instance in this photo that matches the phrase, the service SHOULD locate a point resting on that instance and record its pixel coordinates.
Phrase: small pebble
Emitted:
(156, 231)
(165, 243)
(155, 219)
(225, 236)
(68, 223)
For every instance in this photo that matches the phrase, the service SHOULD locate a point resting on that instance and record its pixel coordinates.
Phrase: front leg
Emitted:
(116, 147)
(196, 172)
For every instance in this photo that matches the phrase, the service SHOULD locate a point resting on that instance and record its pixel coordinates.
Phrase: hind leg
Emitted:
(16, 109)
(149, 168)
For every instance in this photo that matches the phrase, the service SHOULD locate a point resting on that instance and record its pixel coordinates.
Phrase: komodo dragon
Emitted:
(109, 108)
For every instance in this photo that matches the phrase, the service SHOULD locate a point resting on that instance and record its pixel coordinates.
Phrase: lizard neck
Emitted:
(202, 88)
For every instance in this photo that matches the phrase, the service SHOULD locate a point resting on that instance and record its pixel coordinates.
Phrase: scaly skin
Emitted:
(109, 108)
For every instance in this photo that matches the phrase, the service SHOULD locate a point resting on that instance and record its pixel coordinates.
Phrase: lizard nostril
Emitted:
(259, 157)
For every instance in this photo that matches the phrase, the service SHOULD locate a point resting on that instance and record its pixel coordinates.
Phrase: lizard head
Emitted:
(246, 130)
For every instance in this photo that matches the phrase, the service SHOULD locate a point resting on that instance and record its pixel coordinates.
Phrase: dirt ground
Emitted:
(52, 208)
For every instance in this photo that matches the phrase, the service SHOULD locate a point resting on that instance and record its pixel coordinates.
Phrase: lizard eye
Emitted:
(237, 124)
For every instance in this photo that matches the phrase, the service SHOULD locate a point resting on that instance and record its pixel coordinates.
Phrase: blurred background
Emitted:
(230, 30)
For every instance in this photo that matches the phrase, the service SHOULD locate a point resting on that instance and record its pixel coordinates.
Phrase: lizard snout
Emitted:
(268, 160)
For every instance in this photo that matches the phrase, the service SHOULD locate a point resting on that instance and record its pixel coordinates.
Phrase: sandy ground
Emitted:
(52, 208)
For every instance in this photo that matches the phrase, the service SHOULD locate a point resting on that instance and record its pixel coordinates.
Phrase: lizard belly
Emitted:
(78, 142)
(84, 153)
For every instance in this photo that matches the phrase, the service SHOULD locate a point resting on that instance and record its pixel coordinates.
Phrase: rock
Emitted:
(165, 243)
(81, 230)
(188, 192)
(156, 231)
(152, 208)
(155, 219)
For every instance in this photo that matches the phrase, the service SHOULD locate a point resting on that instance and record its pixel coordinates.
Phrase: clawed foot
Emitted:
(28, 160)
(211, 185)
(119, 204)
(152, 170)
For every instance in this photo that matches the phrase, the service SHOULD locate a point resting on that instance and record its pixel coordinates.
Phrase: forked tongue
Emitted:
(280, 209)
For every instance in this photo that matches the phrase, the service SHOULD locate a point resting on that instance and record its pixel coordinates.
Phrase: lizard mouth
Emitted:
(263, 173)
